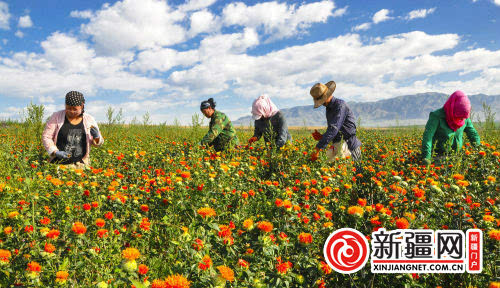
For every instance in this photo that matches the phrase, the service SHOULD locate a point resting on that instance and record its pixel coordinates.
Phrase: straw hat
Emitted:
(321, 92)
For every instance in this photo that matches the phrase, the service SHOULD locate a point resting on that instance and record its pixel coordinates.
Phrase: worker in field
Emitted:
(269, 122)
(446, 126)
(221, 134)
(340, 119)
(70, 133)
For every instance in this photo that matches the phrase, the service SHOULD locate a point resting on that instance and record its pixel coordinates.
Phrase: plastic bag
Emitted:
(338, 150)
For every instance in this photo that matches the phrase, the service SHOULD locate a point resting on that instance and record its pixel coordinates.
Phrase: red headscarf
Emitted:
(457, 109)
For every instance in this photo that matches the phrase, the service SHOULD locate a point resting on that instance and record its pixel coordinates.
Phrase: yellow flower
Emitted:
(248, 224)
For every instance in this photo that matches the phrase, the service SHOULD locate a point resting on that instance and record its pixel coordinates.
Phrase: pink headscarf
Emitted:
(263, 107)
(457, 109)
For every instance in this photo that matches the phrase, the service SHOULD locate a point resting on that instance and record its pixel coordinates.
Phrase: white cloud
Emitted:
(420, 13)
(163, 59)
(140, 24)
(85, 14)
(279, 20)
(381, 16)
(362, 27)
(203, 22)
(193, 5)
(340, 12)
(19, 34)
(25, 22)
(4, 16)
(366, 71)
(497, 2)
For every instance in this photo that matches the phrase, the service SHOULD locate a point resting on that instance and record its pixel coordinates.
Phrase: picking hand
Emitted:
(316, 135)
(62, 155)
(94, 132)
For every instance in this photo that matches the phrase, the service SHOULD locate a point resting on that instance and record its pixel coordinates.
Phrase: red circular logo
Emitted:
(346, 250)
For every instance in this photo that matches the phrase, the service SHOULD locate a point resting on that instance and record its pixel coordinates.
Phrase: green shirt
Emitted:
(437, 131)
(221, 132)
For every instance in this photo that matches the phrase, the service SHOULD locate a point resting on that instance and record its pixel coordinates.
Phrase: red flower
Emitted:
(108, 215)
(79, 228)
(143, 269)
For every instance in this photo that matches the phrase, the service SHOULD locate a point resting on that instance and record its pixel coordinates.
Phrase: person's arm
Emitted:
(257, 130)
(48, 135)
(334, 126)
(430, 130)
(472, 133)
(282, 131)
(96, 141)
(213, 132)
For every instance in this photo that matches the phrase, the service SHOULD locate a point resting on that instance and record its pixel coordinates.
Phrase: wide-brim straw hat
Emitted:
(321, 92)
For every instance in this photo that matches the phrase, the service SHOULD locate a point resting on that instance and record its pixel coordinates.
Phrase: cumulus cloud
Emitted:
(278, 20)
(420, 13)
(4, 16)
(138, 24)
(381, 16)
(25, 22)
(203, 22)
(340, 12)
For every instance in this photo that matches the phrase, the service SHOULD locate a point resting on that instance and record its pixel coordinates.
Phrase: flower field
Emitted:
(155, 210)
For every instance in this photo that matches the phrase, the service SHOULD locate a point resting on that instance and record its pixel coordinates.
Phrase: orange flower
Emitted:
(53, 234)
(248, 224)
(79, 228)
(226, 273)
(355, 210)
(265, 226)
(488, 218)
(205, 263)
(494, 234)
(7, 230)
(283, 267)
(448, 205)
(158, 283)
(305, 238)
(176, 281)
(61, 277)
(4, 256)
(143, 269)
(206, 212)
(458, 177)
(101, 233)
(131, 254)
(49, 248)
(100, 222)
(34, 267)
(494, 285)
(402, 223)
(362, 202)
(186, 174)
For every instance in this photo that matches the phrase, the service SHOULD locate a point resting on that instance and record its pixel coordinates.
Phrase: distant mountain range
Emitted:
(402, 110)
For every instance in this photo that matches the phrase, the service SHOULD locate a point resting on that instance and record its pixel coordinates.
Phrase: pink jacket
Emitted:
(56, 121)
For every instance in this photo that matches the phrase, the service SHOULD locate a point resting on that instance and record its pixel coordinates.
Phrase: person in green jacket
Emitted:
(221, 134)
(446, 126)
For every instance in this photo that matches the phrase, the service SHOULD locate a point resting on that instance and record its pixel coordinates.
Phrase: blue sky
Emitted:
(164, 57)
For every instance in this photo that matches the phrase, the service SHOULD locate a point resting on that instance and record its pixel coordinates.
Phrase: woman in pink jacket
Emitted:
(70, 133)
